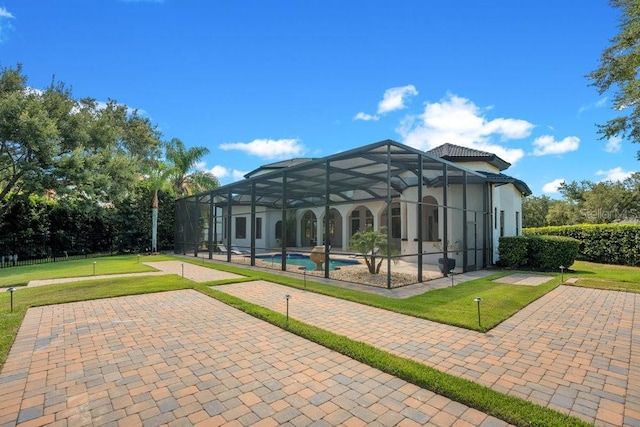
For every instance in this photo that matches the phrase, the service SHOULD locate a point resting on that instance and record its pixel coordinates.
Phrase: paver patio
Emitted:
(575, 349)
(182, 358)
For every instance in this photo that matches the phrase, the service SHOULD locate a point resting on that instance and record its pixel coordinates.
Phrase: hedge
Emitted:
(603, 243)
(538, 252)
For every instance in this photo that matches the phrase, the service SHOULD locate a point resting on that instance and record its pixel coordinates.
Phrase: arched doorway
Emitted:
(335, 229)
(395, 231)
(430, 219)
(309, 227)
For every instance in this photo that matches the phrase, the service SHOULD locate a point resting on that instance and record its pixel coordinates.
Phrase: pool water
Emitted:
(304, 261)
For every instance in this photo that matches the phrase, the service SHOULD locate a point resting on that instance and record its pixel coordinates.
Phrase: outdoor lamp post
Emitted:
(304, 274)
(11, 290)
(478, 300)
(562, 267)
(451, 273)
(94, 268)
(287, 298)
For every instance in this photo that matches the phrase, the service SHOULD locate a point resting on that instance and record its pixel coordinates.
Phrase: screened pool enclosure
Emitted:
(434, 210)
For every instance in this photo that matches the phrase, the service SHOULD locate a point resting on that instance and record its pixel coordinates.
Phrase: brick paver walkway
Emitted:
(181, 358)
(575, 349)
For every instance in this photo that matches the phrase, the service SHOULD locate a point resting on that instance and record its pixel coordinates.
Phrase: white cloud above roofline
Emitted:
(547, 144)
(459, 121)
(268, 148)
(393, 99)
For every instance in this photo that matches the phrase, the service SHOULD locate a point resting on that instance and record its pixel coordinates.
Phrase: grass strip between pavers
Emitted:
(508, 408)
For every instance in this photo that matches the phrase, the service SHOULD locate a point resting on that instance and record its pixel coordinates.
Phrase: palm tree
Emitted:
(177, 176)
(373, 245)
(185, 180)
(158, 179)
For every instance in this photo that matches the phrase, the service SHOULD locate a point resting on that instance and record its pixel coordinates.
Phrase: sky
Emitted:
(261, 81)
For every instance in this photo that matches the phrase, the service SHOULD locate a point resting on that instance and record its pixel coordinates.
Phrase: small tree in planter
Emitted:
(374, 247)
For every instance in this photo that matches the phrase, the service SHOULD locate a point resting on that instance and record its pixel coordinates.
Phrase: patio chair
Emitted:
(237, 251)
(223, 250)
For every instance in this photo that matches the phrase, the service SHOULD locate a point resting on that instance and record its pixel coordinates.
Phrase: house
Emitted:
(450, 203)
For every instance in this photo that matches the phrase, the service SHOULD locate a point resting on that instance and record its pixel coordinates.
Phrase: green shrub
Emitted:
(602, 243)
(538, 252)
(550, 252)
(513, 251)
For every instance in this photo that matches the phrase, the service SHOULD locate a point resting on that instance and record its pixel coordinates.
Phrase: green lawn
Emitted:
(604, 276)
(453, 305)
(17, 276)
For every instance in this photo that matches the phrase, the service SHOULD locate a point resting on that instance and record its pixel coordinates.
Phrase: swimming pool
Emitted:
(304, 261)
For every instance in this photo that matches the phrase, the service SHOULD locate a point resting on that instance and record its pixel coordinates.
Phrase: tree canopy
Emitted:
(586, 202)
(70, 168)
(50, 142)
(618, 72)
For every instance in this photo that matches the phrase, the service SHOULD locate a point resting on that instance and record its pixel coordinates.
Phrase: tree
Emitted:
(601, 202)
(534, 211)
(158, 180)
(50, 142)
(618, 71)
(185, 179)
(373, 245)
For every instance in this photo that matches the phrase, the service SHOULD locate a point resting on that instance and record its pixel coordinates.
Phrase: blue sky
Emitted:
(260, 81)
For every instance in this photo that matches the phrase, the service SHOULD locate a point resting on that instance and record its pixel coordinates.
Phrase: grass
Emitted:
(18, 276)
(453, 305)
(605, 276)
(450, 305)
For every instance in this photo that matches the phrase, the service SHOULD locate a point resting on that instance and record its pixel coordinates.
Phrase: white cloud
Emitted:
(268, 148)
(615, 174)
(393, 99)
(614, 145)
(238, 175)
(553, 186)
(547, 144)
(222, 173)
(5, 24)
(459, 121)
(598, 104)
(4, 13)
(366, 117)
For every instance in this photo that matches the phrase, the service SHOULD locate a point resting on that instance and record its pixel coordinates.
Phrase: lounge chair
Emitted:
(223, 250)
(237, 251)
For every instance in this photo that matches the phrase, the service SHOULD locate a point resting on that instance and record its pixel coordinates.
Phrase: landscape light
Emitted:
(304, 273)
(287, 298)
(10, 290)
(478, 300)
(562, 267)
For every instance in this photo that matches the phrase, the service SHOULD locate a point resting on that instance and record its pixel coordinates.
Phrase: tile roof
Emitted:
(456, 153)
